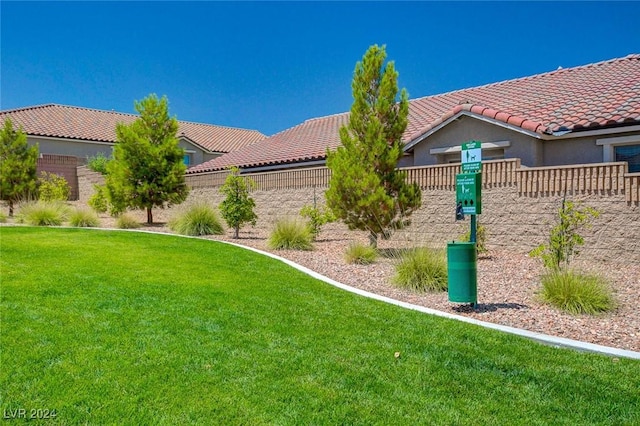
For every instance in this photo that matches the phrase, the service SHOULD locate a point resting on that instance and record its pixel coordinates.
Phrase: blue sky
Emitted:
(271, 65)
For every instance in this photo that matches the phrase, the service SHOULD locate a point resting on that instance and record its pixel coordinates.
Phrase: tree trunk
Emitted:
(236, 232)
(149, 216)
(10, 208)
(373, 239)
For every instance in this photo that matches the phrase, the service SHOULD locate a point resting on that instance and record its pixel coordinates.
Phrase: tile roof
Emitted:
(602, 94)
(78, 123)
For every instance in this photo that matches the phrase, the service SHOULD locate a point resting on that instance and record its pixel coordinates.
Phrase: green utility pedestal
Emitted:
(463, 272)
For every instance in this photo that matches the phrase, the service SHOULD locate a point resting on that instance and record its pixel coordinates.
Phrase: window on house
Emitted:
(630, 154)
(187, 159)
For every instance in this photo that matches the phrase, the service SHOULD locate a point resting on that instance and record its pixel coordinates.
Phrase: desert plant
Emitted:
(564, 239)
(43, 213)
(421, 269)
(316, 218)
(84, 218)
(126, 221)
(198, 219)
(53, 187)
(576, 293)
(360, 254)
(237, 207)
(290, 234)
(481, 239)
(98, 163)
(98, 200)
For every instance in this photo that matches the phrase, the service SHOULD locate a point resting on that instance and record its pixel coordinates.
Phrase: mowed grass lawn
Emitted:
(109, 327)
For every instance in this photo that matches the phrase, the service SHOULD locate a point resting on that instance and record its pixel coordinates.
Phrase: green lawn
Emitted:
(110, 327)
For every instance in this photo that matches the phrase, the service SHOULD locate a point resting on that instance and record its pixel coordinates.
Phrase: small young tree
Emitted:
(237, 207)
(564, 238)
(147, 169)
(18, 162)
(366, 190)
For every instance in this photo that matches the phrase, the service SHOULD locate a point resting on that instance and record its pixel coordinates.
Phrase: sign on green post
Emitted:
(469, 193)
(471, 157)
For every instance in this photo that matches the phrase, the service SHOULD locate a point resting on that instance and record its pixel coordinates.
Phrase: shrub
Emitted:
(3, 217)
(98, 163)
(125, 221)
(317, 217)
(98, 201)
(43, 213)
(291, 234)
(576, 293)
(564, 238)
(198, 219)
(83, 218)
(237, 207)
(53, 187)
(360, 254)
(421, 269)
(481, 239)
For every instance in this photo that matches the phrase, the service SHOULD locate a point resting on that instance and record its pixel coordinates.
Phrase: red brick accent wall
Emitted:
(63, 165)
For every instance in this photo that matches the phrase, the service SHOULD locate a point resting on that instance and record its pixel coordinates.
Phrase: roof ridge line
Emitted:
(219, 125)
(530, 77)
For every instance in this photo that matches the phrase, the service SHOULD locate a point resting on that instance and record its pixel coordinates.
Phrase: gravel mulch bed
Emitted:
(507, 286)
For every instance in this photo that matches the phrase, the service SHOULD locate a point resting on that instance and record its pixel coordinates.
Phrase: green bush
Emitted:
(53, 187)
(83, 218)
(421, 269)
(576, 293)
(43, 213)
(125, 221)
(198, 219)
(3, 217)
(290, 234)
(98, 201)
(360, 254)
(98, 163)
(481, 239)
(317, 217)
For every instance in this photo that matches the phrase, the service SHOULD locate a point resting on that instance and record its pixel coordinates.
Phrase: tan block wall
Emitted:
(515, 217)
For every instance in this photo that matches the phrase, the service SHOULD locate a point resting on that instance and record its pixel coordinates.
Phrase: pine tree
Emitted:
(147, 169)
(18, 163)
(366, 190)
(237, 207)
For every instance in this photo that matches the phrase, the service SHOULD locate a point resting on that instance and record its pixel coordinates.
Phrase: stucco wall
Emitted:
(466, 129)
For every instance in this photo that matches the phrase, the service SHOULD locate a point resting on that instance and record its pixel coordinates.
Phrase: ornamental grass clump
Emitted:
(126, 221)
(421, 269)
(197, 220)
(84, 218)
(43, 213)
(290, 234)
(360, 254)
(576, 293)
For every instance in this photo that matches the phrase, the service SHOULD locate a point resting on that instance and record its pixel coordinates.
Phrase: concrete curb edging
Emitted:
(539, 337)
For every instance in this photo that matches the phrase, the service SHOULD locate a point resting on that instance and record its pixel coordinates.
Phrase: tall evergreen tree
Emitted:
(148, 168)
(18, 163)
(366, 190)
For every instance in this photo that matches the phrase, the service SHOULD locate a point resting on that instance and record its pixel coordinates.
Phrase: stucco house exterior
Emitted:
(585, 114)
(83, 132)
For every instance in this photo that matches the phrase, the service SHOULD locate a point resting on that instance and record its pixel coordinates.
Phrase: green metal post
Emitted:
(474, 229)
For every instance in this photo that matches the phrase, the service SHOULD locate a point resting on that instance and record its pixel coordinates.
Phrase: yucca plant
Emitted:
(576, 293)
(361, 254)
(290, 234)
(43, 213)
(84, 218)
(126, 221)
(421, 269)
(198, 219)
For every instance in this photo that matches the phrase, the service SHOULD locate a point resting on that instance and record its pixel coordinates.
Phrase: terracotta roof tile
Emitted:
(601, 94)
(71, 122)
